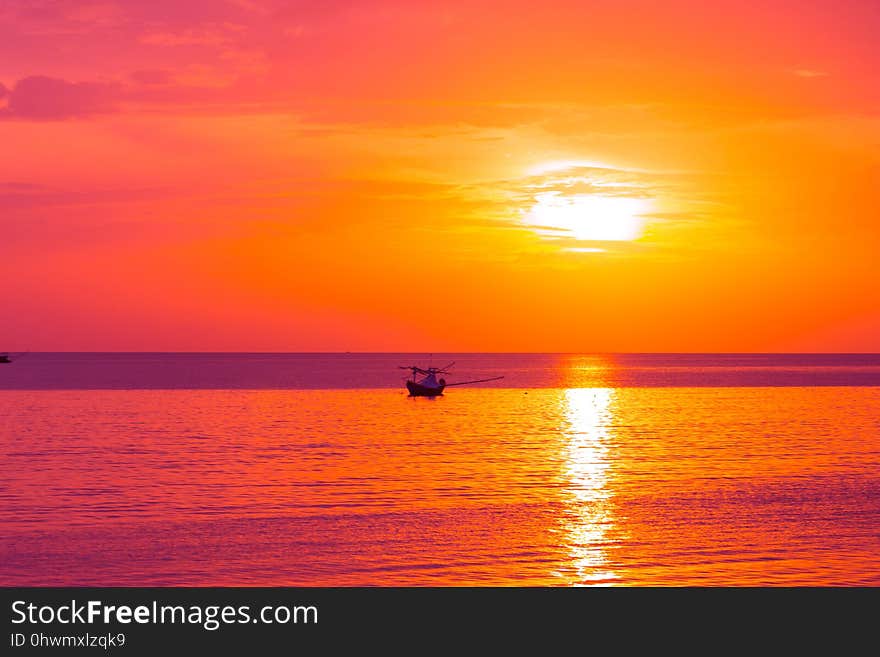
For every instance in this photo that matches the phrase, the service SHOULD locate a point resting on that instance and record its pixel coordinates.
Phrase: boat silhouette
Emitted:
(6, 357)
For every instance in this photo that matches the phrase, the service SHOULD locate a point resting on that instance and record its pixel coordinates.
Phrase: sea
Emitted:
(263, 469)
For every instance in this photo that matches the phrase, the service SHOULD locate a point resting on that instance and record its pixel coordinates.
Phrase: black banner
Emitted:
(273, 620)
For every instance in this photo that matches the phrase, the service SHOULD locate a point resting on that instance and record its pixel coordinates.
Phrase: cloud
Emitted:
(214, 36)
(151, 76)
(3, 91)
(24, 195)
(16, 186)
(809, 73)
(43, 98)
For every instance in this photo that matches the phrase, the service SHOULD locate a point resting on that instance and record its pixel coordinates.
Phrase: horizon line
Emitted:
(523, 353)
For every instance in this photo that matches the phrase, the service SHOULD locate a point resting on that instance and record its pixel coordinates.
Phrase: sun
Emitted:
(587, 217)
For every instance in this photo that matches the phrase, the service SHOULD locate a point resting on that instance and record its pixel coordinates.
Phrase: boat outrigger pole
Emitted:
(461, 383)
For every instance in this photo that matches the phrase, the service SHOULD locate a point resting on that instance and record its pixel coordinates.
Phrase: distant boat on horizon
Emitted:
(6, 357)
(429, 385)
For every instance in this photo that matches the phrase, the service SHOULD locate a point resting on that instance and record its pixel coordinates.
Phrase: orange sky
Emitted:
(440, 176)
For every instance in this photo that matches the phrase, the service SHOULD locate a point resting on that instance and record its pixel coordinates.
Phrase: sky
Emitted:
(389, 175)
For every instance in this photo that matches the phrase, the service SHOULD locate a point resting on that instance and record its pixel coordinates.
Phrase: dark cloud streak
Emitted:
(42, 98)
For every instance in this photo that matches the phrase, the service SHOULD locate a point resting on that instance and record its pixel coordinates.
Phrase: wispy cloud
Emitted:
(809, 73)
(151, 76)
(217, 35)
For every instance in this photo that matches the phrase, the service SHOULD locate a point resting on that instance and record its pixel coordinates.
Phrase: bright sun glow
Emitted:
(563, 165)
(587, 217)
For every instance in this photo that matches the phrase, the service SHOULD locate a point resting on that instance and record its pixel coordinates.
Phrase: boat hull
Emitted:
(418, 390)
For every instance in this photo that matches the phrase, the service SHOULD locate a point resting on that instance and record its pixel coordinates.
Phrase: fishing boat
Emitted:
(424, 381)
(6, 357)
(426, 386)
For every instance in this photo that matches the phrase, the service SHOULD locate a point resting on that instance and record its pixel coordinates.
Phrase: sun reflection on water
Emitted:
(589, 517)
(586, 371)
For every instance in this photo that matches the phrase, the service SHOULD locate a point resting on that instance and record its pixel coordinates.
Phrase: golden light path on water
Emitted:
(586, 464)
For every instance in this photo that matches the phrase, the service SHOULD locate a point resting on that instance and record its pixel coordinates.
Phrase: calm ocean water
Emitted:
(317, 469)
